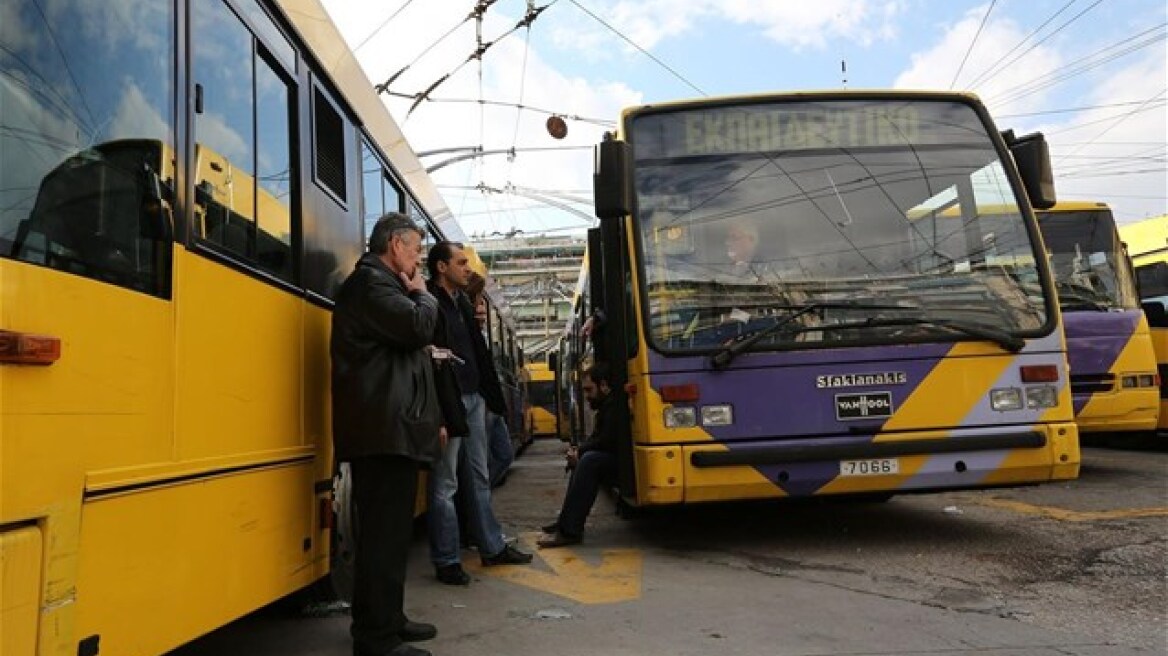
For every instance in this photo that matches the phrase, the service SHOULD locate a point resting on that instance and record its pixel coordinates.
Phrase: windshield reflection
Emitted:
(1087, 259)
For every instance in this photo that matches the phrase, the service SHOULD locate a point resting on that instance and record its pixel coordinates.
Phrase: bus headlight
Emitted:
(1006, 398)
(1041, 396)
(1130, 381)
(717, 415)
(683, 417)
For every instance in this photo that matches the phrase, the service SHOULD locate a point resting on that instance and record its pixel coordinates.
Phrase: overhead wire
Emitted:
(479, 51)
(1079, 66)
(384, 86)
(1044, 39)
(499, 103)
(639, 48)
(380, 27)
(972, 43)
(1109, 128)
(1067, 110)
(1026, 38)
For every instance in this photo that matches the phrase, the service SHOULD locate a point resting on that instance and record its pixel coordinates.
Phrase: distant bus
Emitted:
(176, 214)
(1114, 382)
(541, 400)
(1147, 243)
(870, 344)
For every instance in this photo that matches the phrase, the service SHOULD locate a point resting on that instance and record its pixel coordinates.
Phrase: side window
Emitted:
(372, 176)
(379, 192)
(86, 134)
(244, 165)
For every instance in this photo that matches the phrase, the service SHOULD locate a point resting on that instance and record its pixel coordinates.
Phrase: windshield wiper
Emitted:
(727, 354)
(743, 342)
(1002, 338)
(1074, 296)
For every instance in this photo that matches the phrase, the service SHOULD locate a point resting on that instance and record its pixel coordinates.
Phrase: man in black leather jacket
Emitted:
(386, 424)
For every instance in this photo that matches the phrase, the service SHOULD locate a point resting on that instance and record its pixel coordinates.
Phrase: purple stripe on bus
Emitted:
(777, 394)
(1094, 342)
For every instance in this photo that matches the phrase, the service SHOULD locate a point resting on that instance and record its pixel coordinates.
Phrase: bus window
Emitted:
(86, 168)
(243, 184)
(380, 193)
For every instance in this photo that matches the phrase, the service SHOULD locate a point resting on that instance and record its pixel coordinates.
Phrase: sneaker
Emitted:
(557, 539)
(417, 631)
(508, 556)
(452, 574)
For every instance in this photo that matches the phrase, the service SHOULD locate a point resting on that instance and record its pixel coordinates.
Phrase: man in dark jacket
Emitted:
(593, 462)
(479, 384)
(386, 423)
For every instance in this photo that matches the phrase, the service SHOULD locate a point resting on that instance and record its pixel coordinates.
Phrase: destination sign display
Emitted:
(801, 126)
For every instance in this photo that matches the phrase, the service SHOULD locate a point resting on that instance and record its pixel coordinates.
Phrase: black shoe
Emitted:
(508, 556)
(400, 650)
(417, 631)
(557, 539)
(452, 574)
(551, 528)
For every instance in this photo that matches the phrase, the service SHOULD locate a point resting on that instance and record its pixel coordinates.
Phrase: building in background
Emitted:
(538, 277)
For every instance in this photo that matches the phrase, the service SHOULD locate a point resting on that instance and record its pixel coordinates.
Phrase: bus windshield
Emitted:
(881, 215)
(1088, 262)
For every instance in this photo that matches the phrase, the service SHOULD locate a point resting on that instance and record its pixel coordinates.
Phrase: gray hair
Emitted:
(390, 225)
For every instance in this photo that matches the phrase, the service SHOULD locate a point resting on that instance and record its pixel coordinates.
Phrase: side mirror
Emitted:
(1032, 157)
(612, 179)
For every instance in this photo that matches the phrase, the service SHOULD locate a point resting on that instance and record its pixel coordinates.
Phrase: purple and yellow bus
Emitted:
(802, 298)
(1114, 382)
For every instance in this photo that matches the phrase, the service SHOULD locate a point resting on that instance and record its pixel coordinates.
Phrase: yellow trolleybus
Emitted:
(1114, 383)
(790, 312)
(183, 186)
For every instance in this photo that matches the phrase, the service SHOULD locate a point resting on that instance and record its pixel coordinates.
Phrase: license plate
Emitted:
(872, 467)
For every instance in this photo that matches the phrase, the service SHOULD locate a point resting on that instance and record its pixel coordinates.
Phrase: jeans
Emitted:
(502, 454)
(593, 468)
(444, 547)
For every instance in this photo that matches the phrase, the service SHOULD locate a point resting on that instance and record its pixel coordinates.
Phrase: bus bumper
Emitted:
(886, 463)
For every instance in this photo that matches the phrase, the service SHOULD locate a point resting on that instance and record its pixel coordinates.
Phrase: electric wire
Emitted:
(1044, 39)
(639, 48)
(972, 43)
(1026, 38)
(380, 27)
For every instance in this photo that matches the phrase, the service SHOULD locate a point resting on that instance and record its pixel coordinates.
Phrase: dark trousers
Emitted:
(593, 468)
(383, 495)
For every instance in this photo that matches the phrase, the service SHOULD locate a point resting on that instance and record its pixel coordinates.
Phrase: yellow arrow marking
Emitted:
(1062, 514)
(617, 578)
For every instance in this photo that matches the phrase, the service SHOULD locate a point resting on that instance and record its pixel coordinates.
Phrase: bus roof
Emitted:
(1147, 236)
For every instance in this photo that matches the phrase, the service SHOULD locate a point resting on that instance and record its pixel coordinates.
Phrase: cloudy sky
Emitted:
(1090, 74)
